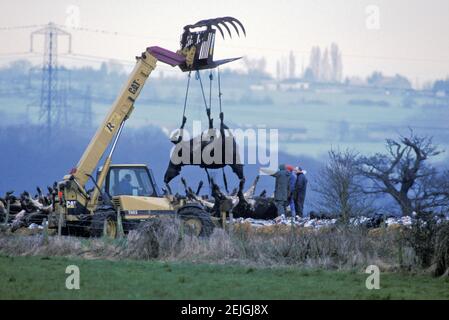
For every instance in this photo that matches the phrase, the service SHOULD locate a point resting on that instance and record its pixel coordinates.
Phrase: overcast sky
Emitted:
(406, 36)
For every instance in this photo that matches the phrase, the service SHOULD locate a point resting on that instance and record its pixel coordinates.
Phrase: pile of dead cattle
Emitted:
(242, 204)
(27, 210)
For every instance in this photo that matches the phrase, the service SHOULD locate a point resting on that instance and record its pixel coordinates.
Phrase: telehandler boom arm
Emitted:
(120, 111)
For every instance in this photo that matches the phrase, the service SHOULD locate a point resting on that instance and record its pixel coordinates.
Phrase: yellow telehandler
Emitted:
(126, 194)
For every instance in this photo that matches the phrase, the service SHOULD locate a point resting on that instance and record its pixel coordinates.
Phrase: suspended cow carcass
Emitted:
(215, 148)
(212, 149)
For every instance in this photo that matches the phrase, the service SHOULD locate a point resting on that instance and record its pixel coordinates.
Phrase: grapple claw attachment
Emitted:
(198, 45)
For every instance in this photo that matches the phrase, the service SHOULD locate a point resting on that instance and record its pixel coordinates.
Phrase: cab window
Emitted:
(130, 181)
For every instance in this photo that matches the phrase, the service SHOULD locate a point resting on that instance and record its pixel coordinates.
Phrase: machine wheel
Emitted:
(196, 221)
(98, 224)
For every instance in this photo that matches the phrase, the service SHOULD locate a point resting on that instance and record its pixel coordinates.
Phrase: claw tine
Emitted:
(218, 21)
(210, 22)
(219, 29)
(226, 19)
(239, 23)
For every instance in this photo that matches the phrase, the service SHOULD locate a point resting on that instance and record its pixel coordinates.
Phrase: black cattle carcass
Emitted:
(245, 204)
(256, 208)
(210, 150)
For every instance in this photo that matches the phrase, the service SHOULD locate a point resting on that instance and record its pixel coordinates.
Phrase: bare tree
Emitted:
(404, 174)
(431, 192)
(338, 186)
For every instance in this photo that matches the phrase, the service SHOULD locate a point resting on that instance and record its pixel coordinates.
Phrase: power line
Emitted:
(359, 56)
(15, 53)
(87, 57)
(257, 48)
(116, 33)
(10, 28)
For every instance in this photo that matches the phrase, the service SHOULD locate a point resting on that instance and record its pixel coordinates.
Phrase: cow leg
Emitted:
(208, 176)
(172, 171)
(238, 170)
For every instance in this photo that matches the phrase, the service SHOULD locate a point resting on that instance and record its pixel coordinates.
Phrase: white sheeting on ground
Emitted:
(319, 223)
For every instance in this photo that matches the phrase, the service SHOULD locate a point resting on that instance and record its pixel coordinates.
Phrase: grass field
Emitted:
(44, 278)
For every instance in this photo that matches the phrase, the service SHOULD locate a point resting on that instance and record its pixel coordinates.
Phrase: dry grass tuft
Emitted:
(337, 247)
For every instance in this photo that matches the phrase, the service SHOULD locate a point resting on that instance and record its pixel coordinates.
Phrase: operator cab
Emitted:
(130, 180)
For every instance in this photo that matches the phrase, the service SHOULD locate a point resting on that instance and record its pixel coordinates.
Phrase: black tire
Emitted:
(98, 220)
(196, 213)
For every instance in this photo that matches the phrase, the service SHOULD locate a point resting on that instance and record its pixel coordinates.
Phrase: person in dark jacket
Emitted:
(299, 192)
(291, 201)
(281, 189)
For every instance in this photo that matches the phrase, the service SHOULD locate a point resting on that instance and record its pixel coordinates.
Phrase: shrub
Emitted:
(441, 256)
(421, 238)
